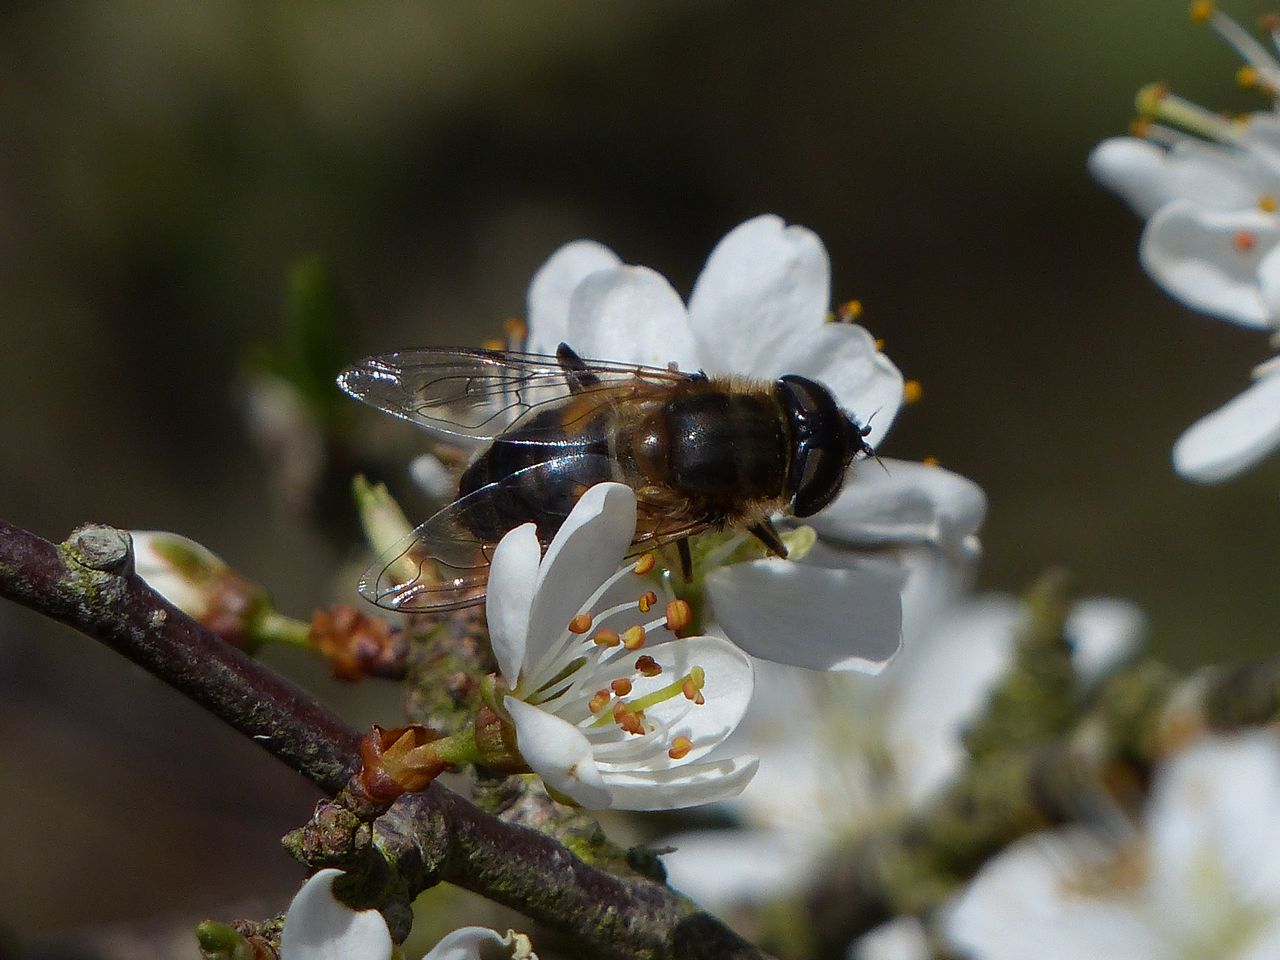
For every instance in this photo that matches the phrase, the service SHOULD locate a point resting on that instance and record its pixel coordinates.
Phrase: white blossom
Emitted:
(318, 926)
(1209, 189)
(759, 309)
(610, 708)
(842, 756)
(1200, 878)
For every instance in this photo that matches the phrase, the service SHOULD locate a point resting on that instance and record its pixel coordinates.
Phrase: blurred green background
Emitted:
(163, 164)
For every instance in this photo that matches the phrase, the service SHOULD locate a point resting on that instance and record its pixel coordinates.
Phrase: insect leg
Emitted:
(686, 560)
(575, 371)
(766, 534)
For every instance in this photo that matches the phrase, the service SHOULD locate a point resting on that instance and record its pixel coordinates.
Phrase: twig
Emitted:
(88, 583)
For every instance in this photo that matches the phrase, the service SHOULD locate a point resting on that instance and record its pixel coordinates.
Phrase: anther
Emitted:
(493, 343)
(1247, 77)
(633, 637)
(1267, 203)
(580, 624)
(679, 615)
(626, 718)
(690, 691)
(912, 391)
(1140, 127)
(515, 329)
(849, 311)
(620, 687)
(880, 344)
(646, 666)
(647, 600)
(680, 748)
(1149, 97)
(930, 461)
(599, 701)
(604, 637)
(1244, 241)
(1201, 11)
(645, 563)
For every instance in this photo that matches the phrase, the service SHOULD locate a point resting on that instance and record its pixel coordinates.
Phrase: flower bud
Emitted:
(398, 760)
(200, 584)
(358, 645)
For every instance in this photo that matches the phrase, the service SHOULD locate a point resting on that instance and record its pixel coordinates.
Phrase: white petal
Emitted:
(177, 568)
(553, 285)
(585, 552)
(468, 943)
(1148, 176)
(942, 682)
(727, 692)
(764, 286)
(843, 356)
(721, 868)
(1196, 254)
(1031, 901)
(902, 938)
(1104, 631)
(1234, 437)
(432, 477)
(318, 927)
(632, 315)
(1269, 281)
(848, 618)
(558, 753)
(683, 786)
(512, 576)
(1215, 839)
(895, 501)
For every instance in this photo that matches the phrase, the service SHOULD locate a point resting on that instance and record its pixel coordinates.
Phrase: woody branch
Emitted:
(89, 584)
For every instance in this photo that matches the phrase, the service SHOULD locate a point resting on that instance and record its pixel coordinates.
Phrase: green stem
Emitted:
(270, 626)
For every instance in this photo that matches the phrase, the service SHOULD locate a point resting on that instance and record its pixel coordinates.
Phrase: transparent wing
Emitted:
(481, 394)
(444, 563)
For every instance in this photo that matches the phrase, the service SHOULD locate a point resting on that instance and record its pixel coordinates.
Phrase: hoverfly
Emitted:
(700, 453)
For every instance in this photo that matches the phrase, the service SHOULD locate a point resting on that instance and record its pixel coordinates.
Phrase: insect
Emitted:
(700, 453)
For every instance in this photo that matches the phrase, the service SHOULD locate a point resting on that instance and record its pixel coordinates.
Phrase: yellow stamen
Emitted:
(646, 666)
(645, 563)
(599, 701)
(1267, 203)
(1140, 127)
(912, 391)
(930, 461)
(680, 748)
(1247, 77)
(647, 600)
(679, 615)
(849, 311)
(580, 624)
(1201, 11)
(880, 344)
(633, 637)
(493, 343)
(515, 330)
(606, 638)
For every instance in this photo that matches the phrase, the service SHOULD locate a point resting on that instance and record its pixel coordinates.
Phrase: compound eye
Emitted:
(821, 478)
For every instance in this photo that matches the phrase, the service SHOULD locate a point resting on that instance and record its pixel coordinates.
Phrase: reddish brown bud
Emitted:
(358, 645)
(396, 761)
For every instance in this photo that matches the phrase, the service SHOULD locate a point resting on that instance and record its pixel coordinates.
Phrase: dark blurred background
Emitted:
(163, 164)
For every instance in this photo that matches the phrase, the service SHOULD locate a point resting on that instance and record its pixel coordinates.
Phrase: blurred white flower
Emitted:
(760, 309)
(318, 926)
(610, 708)
(1200, 879)
(842, 756)
(1209, 188)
